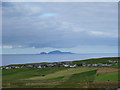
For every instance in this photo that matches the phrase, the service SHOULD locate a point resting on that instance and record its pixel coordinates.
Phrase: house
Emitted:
(66, 65)
(13, 67)
(7, 67)
(23, 66)
(41, 66)
(89, 65)
(3, 68)
(109, 64)
(105, 64)
(50, 65)
(35, 66)
(94, 65)
(17, 67)
(73, 65)
(84, 64)
(60, 65)
(29, 66)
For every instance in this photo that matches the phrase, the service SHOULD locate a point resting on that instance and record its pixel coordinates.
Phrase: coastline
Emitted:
(80, 60)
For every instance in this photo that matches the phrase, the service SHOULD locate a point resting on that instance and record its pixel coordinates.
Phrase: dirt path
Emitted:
(105, 70)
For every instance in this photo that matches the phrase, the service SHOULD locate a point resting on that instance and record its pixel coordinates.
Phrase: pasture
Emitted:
(62, 77)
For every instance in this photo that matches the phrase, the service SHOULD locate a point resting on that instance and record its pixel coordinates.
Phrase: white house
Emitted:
(41, 66)
(66, 65)
(7, 67)
(17, 67)
(95, 64)
(73, 66)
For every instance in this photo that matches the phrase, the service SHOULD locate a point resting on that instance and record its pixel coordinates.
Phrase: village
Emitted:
(61, 64)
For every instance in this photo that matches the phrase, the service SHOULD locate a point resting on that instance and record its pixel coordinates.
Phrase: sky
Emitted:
(78, 27)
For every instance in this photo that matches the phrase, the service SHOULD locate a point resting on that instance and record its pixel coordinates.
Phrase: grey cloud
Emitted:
(69, 28)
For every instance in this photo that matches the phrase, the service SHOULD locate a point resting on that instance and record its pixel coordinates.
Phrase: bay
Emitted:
(8, 59)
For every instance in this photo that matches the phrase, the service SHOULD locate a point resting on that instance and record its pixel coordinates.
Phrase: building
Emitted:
(89, 65)
(84, 64)
(41, 66)
(73, 66)
(29, 66)
(95, 65)
(66, 65)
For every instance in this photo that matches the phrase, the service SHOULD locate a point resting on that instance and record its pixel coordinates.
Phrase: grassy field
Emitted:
(66, 72)
(61, 77)
(107, 77)
(97, 60)
(79, 80)
(16, 74)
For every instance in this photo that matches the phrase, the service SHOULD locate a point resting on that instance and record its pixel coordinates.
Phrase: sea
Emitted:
(8, 59)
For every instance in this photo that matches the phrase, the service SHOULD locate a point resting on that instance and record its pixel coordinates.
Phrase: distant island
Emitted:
(57, 52)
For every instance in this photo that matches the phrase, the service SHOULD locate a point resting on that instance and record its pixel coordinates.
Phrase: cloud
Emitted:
(7, 46)
(103, 34)
(59, 25)
(20, 10)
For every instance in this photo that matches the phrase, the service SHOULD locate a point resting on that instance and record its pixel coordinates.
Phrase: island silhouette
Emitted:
(57, 52)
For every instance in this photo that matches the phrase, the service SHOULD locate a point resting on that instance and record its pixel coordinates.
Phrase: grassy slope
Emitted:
(16, 75)
(53, 76)
(79, 80)
(66, 72)
(97, 60)
(57, 77)
(106, 80)
(112, 76)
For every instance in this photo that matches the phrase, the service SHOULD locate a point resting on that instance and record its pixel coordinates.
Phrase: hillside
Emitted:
(63, 77)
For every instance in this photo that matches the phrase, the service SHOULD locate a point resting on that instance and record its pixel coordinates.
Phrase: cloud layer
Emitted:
(59, 25)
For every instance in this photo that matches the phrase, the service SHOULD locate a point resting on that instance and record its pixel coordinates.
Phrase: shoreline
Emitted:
(61, 61)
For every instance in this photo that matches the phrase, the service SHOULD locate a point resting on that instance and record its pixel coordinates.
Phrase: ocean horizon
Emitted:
(8, 59)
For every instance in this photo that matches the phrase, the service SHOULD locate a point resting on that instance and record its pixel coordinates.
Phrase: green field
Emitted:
(107, 77)
(97, 60)
(60, 77)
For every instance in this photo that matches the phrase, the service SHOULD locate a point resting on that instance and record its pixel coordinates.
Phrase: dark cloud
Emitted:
(59, 25)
